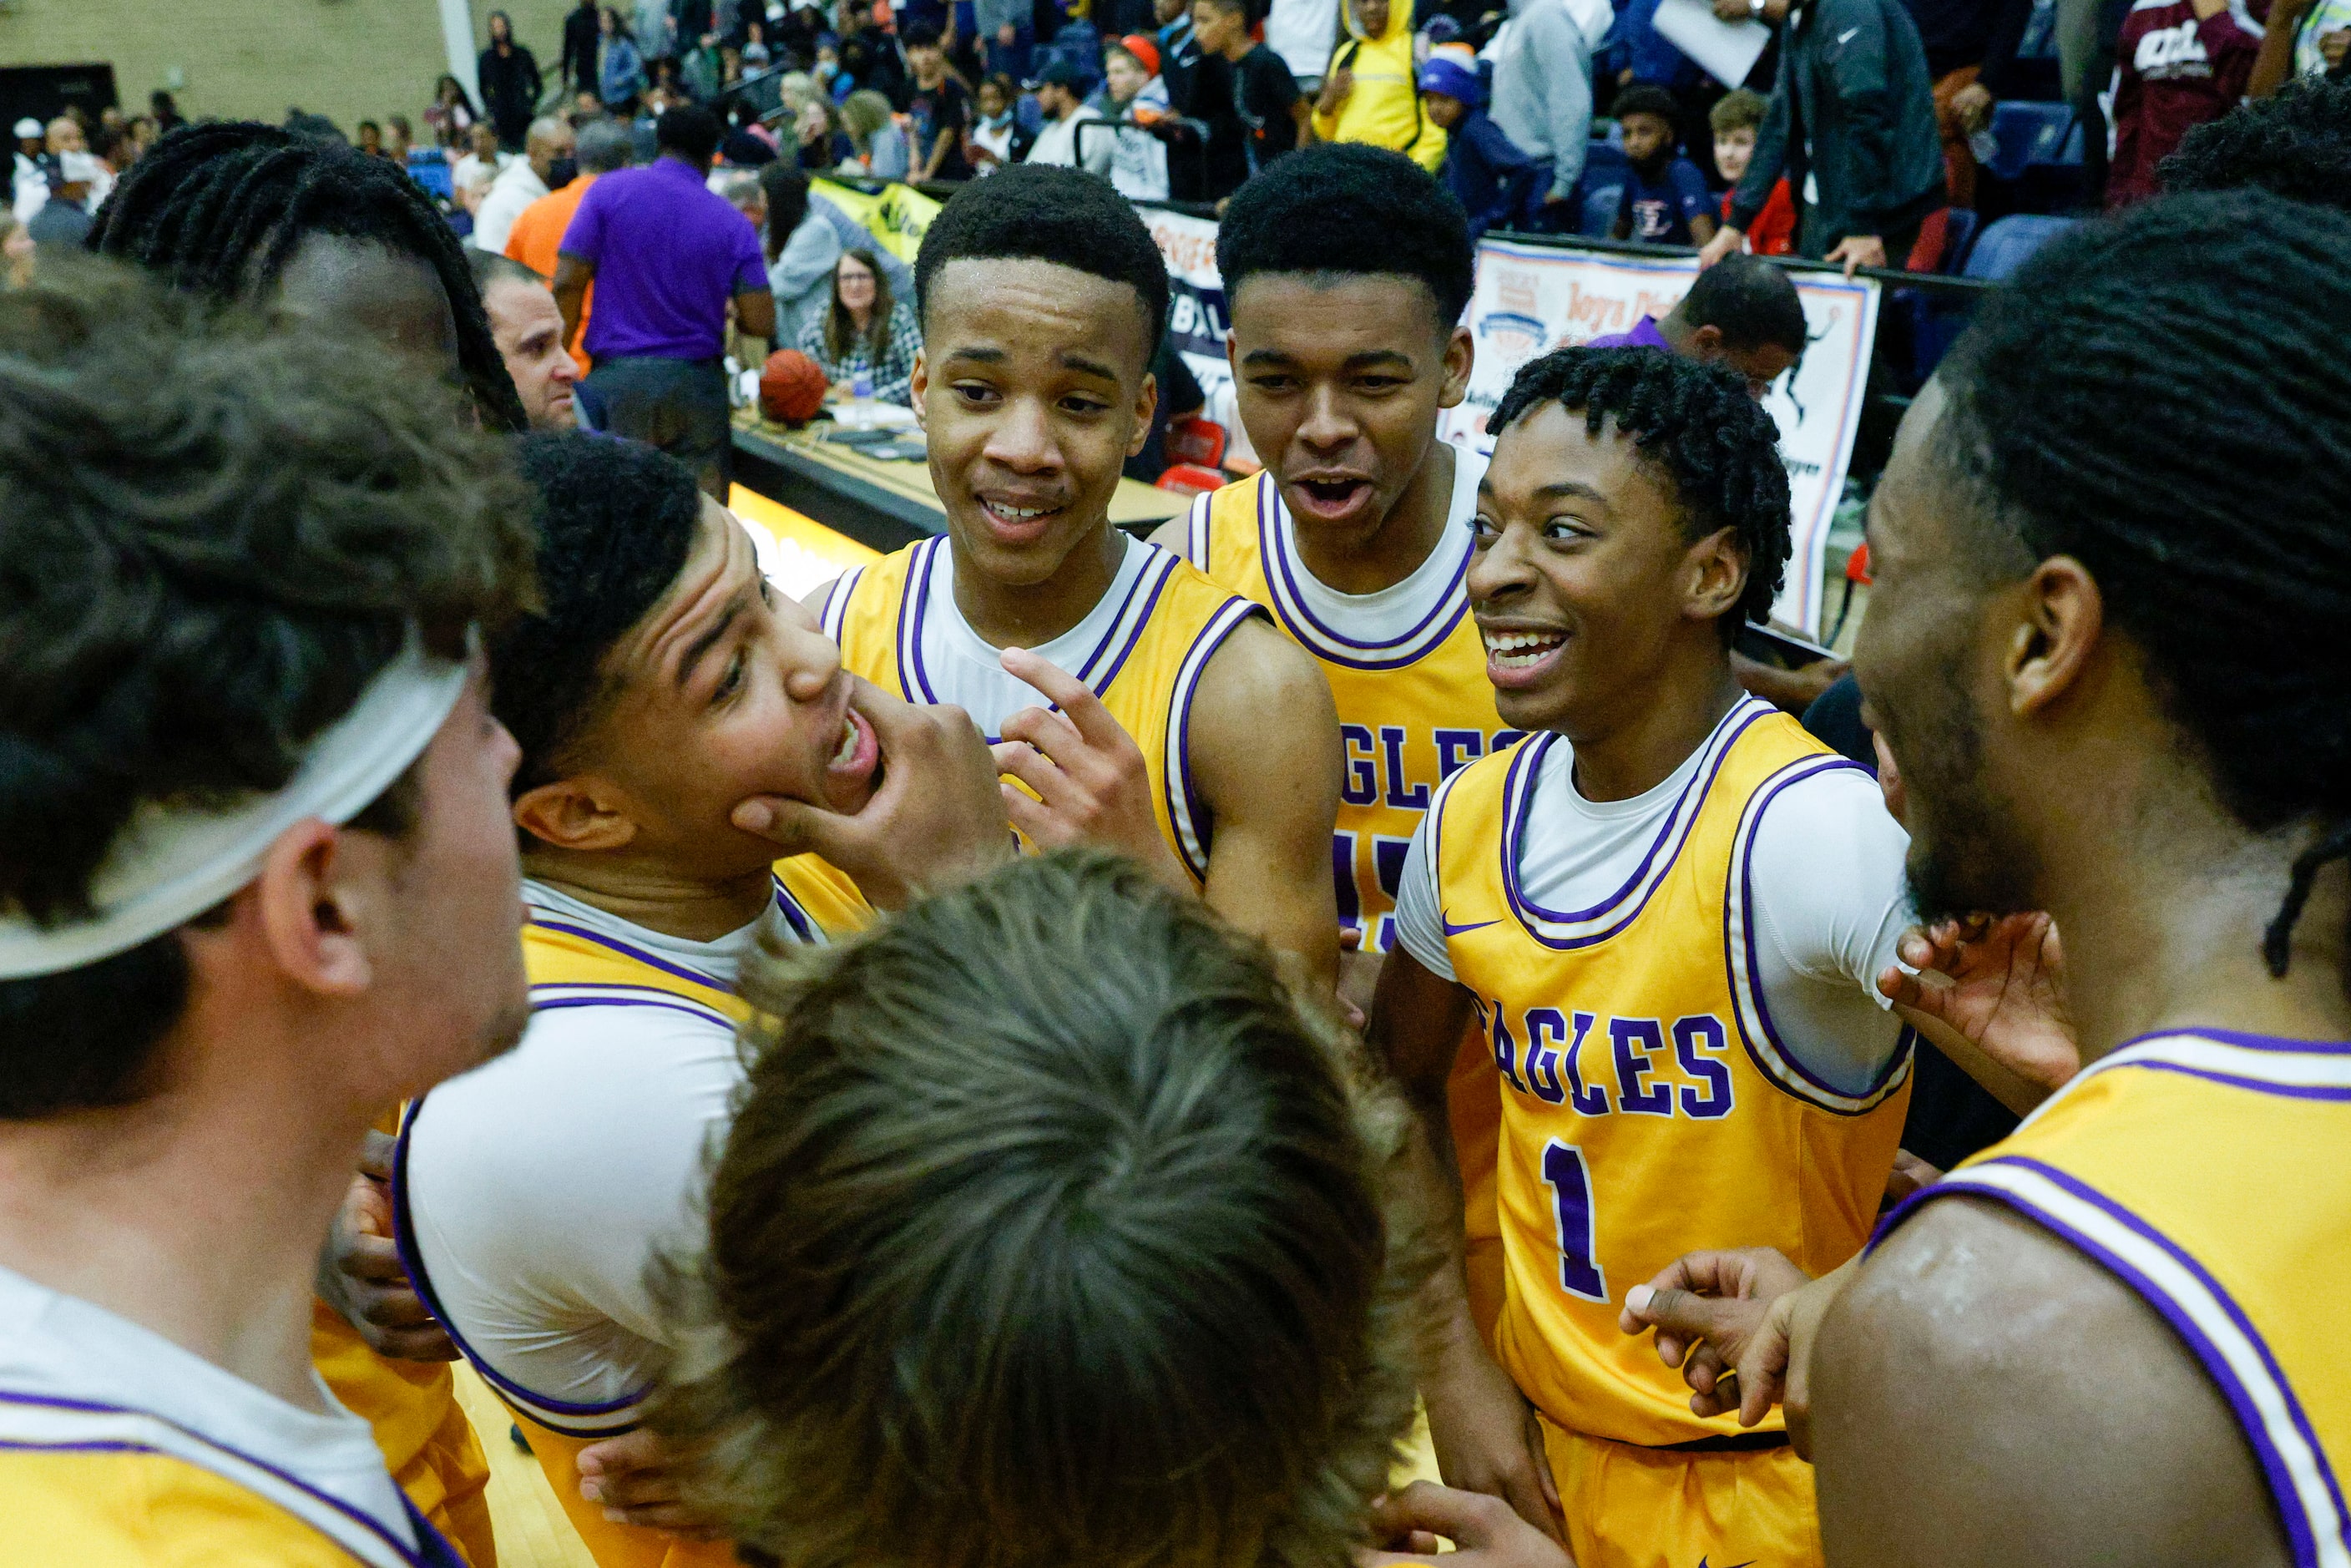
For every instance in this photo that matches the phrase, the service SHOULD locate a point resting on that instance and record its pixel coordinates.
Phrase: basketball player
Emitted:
(1346, 269)
(1667, 911)
(1053, 1231)
(2107, 655)
(1190, 733)
(258, 884)
(662, 685)
(250, 212)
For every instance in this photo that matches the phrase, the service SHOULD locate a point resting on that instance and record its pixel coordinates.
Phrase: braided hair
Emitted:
(2165, 398)
(1695, 424)
(219, 209)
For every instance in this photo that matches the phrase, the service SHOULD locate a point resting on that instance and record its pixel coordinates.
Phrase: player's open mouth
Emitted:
(1516, 658)
(1016, 521)
(1329, 498)
(859, 750)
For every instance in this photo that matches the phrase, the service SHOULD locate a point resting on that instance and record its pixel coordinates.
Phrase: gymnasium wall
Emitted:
(347, 59)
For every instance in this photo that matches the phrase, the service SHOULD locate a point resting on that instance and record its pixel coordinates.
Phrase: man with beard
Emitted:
(2109, 658)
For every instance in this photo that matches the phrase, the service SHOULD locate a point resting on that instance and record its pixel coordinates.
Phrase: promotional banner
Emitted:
(897, 217)
(1195, 316)
(1531, 300)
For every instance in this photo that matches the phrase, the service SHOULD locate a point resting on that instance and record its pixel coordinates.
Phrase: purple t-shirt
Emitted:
(669, 255)
(1643, 335)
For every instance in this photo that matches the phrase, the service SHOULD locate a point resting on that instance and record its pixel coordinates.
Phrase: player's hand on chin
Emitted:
(1483, 1530)
(629, 1476)
(936, 818)
(1487, 1437)
(1999, 982)
(360, 1273)
(1092, 785)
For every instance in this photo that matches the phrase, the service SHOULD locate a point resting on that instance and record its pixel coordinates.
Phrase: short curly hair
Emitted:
(1053, 1227)
(1340, 209)
(2294, 143)
(211, 537)
(616, 521)
(1696, 425)
(1039, 212)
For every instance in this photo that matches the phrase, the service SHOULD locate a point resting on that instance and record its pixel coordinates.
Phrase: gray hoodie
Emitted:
(1542, 83)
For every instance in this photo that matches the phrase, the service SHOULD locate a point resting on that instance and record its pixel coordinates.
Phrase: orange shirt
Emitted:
(537, 235)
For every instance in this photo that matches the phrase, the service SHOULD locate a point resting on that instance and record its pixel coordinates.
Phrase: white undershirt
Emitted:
(542, 1186)
(57, 1346)
(1830, 899)
(1390, 612)
(964, 668)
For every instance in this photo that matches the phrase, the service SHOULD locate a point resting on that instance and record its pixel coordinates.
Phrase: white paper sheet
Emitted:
(1726, 51)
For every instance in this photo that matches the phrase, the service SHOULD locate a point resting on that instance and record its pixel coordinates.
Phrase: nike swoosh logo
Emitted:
(1848, 33)
(1453, 930)
(1749, 1563)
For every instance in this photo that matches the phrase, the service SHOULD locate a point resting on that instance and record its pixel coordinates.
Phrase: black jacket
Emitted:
(511, 90)
(579, 40)
(1853, 109)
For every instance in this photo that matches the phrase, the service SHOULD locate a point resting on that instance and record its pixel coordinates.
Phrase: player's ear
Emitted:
(1460, 354)
(919, 386)
(1716, 573)
(580, 813)
(2063, 615)
(1706, 344)
(1146, 403)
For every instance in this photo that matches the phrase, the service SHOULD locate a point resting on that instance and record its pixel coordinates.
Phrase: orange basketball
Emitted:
(791, 388)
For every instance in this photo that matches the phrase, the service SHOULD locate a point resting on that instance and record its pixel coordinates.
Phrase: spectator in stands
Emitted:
(1371, 89)
(1303, 33)
(451, 117)
(2301, 38)
(398, 137)
(30, 185)
(620, 68)
(803, 249)
(939, 109)
(668, 258)
(879, 149)
(749, 144)
(1245, 95)
(1135, 96)
(1490, 175)
(369, 138)
(583, 39)
(166, 111)
(1542, 98)
(1735, 119)
(547, 164)
(1058, 95)
(2180, 63)
(536, 240)
(1852, 116)
(1666, 200)
(528, 327)
(1742, 313)
(654, 30)
(63, 221)
(1006, 31)
(469, 188)
(997, 137)
(1179, 51)
(481, 155)
(508, 74)
(864, 334)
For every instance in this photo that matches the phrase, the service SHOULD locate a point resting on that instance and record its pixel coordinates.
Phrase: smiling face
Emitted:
(724, 690)
(854, 282)
(1584, 581)
(1339, 383)
(1920, 661)
(1034, 389)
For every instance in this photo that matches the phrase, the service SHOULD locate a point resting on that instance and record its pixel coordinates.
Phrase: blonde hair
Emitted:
(1052, 1229)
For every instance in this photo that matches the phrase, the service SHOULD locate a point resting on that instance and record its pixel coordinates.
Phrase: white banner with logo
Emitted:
(1531, 300)
(1195, 316)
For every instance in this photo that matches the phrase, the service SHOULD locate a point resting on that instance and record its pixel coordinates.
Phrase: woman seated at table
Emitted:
(864, 333)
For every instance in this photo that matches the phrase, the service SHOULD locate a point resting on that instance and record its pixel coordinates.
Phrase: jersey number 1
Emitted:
(1571, 1185)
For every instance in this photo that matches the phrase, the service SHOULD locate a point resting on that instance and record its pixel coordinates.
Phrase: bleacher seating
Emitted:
(2009, 242)
(1600, 190)
(429, 167)
(2031, 134)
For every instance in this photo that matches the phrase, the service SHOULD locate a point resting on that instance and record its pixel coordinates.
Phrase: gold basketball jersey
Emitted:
(1411, 710)
(1145, 669)
(2204, 1169)
(1648, 1108)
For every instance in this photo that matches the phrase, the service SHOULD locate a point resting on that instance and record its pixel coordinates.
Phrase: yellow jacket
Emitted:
(1383, 110)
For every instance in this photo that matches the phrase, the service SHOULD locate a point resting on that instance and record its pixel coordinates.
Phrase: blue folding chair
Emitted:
(2030, 134)
(2009, 243)
(429, 167)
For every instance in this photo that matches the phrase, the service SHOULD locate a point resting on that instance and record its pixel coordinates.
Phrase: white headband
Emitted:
(171, 863)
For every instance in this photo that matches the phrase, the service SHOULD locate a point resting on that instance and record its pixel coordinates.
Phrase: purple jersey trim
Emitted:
(426, 1536)
(2299, 1527)
(1327, 641)
(615, 944)
(1185, 804)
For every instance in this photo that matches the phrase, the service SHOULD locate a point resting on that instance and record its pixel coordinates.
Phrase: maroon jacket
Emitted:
(2176, 73)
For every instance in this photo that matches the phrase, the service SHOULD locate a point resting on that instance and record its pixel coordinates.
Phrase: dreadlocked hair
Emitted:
(2129, 401)
(1696, 424)
(219, 208)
